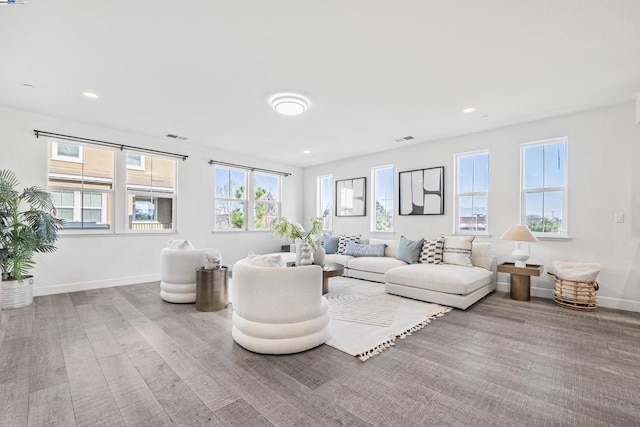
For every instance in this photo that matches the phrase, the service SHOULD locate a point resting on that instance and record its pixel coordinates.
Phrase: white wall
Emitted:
(97, 261)
(604, 148)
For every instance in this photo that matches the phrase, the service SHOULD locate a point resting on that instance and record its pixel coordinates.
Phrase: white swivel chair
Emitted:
(178, 273)
(278, 310)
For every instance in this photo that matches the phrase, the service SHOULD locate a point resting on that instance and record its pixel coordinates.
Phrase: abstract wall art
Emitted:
(422, 191)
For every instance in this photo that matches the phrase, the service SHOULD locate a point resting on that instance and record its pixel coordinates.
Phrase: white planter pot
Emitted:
(17, 293)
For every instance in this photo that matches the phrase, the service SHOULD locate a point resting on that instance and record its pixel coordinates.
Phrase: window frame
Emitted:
(374, 185)
(140, 167)
(457, 195)
(319, 200)
(114, 200)
(249, 201)
(564, 189)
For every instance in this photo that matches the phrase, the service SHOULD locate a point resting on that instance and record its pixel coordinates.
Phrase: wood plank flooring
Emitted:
(123, 357)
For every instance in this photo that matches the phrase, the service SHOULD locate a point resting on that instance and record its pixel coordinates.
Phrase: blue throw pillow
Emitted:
(356, 249)
(330, 244)
(409, 250)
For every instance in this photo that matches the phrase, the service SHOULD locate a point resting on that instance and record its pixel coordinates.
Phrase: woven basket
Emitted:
(574, 294)
(17, 293)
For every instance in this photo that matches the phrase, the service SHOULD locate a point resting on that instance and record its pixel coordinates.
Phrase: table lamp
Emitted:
(520, 234)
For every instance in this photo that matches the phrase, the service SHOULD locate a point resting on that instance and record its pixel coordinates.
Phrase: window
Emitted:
(151, 189)
(325, 200)
(266, 200)
(135, 161)
(66, 152)
(82, 189)
(471, 192)
(382, 219)
(544, 186)
(233, 195)
(85, 191)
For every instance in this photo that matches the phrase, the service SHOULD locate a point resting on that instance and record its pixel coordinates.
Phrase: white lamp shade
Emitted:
(519, 233)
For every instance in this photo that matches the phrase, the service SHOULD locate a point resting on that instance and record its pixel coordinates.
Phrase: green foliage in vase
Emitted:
(286, 229)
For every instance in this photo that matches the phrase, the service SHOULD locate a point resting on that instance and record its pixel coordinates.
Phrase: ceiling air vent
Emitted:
(404, 138)
(170, 135)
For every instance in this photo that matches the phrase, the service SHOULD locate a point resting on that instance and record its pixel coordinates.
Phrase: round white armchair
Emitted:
(178, 273)
(278, 310)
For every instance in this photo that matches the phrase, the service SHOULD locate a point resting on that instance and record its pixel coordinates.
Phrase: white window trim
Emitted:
(56, 156)
(249, 201)
(565, 190)
(155, 195)
(372, 225)
(456, 195)
(319, 200)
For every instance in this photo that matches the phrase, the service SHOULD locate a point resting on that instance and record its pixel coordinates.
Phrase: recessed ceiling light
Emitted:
(290, 104)
(90, 94)
(469, 109)
(307, 152)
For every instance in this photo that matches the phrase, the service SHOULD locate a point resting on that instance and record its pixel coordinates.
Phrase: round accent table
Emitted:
(330, 269)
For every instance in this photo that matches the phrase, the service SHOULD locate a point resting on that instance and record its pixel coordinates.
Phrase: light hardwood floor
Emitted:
(121, 356)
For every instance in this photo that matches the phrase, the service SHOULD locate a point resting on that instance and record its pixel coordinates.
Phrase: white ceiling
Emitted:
(374, 70)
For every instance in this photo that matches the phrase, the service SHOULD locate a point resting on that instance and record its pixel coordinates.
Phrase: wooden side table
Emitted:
(521, 279)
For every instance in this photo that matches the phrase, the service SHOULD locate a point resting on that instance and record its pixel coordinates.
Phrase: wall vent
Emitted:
(171, 135)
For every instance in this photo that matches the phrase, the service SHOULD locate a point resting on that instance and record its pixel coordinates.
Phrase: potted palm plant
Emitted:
(27, 225)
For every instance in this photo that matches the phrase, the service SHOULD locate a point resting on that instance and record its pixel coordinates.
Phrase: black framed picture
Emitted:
(351, 197)
(422, 191)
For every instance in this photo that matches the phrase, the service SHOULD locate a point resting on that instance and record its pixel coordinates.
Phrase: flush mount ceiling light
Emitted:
(468, 109)
(290, 104)
(90, 94)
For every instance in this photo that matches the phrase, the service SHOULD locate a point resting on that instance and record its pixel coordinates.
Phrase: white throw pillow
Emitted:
(392, 246)
(342, 243)
(481, 255)
(265, 260)
(180, 244)
(457, 250)
(432, 251)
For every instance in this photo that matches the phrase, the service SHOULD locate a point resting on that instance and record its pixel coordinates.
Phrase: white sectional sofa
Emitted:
(452, 285)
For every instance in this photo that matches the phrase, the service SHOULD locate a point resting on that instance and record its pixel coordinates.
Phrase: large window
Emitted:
(382, 190)
(325, 200)
(151, 189)
(82, 182)
(236, 190)
(471, 192)
(544, 186)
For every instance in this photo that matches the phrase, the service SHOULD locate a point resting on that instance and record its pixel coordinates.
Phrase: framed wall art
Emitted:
(351, 197)
(422, 191)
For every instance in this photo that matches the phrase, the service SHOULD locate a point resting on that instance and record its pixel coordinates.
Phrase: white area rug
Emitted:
(366, 321)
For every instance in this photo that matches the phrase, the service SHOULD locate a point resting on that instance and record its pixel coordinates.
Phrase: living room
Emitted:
(590, 97)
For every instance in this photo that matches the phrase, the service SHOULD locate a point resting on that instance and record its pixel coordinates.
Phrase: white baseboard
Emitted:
(608, 302)
(96, 284)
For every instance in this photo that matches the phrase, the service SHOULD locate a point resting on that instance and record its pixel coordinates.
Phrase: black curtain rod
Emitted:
(233, 165)
(39, 133)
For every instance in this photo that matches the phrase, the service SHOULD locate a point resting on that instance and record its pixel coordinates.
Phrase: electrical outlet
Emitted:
(619, 217)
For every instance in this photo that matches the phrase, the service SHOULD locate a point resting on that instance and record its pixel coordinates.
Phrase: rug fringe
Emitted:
(392, 339)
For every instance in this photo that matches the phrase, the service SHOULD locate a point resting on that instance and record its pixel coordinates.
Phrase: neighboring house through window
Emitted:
(544, 186)
(471, 192)
(382, 191)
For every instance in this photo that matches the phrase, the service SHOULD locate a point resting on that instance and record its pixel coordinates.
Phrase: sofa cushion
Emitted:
(409, 250)
(481, 255)
(342, 244)
(392, 246)
(457, 250)
(268, 260)
(375, 264)
(340, 259)
(330, 244)
(358, 250)
(447, 278)
(432, 251)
